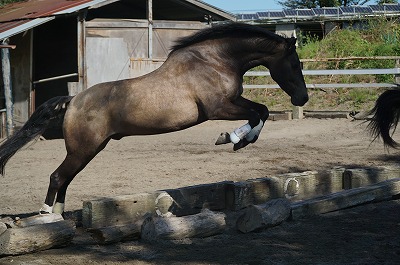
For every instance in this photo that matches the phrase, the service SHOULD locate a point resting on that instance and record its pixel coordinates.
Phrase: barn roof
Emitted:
(19, 17)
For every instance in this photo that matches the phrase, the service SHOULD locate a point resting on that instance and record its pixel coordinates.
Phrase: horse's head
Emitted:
(286, 71)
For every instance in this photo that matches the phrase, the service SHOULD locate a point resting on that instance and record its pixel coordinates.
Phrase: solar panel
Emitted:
(289, 12)
(262, 14)
(249, 16)
(377, 8)
(324, 11)
(391, 7)
(347, 9)
(305, 12)
(327, 11)
(318, 11)
(363, 9)
(276, 14)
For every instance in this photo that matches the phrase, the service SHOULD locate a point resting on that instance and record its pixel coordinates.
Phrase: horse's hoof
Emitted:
(223, 138)
(241, 144)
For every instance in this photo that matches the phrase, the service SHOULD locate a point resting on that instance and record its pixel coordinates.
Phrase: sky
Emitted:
(235, 6)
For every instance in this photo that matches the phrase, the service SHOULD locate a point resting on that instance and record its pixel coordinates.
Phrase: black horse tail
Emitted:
(48, 115)
(386, 115)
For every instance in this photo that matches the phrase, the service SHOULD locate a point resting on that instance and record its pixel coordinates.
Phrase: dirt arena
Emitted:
(368, 234)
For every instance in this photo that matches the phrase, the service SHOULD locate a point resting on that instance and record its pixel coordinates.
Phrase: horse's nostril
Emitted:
(300, 101)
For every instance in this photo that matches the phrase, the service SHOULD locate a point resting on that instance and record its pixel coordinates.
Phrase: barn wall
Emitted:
(117, 49)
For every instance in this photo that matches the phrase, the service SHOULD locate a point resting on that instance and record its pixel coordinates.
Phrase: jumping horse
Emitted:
(200, 80)
(386, 115)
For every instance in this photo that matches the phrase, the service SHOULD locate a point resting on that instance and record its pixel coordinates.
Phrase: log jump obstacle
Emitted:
(208, 209)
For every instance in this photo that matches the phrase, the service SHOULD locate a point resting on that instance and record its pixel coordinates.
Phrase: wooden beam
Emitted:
(361, 177)
(126, 209)
(5, 63)
(204, 224)
(347, 198)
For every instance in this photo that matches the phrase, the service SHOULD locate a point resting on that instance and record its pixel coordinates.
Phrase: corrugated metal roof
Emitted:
(18, 17)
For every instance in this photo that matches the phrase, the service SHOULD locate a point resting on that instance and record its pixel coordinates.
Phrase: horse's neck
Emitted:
(238, 56)
(251, 57)
(247, 54)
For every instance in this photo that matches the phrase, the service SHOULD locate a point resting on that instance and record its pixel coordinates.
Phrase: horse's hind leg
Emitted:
(65, 173)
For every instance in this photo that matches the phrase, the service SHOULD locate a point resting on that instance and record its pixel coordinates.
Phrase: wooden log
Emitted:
(203, 224)
(327, 114)
(293, 186)
(193, 199)
(126, 209)
(347, 198)
(117, 210)
(257, 217)
(240, 195)
(361, 177)
(113, 234)
(280, 116)
(16, 241)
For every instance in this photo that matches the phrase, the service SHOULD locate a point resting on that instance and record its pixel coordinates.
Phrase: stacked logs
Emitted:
(34, 233)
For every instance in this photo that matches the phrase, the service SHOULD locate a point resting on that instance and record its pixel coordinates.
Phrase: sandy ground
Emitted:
(367, 234)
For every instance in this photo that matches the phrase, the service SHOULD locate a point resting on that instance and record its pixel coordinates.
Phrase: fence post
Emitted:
(5, 64)
(397, 76)
(297, 113)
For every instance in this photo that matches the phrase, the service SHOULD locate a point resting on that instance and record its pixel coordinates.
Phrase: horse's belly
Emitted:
(157, 122)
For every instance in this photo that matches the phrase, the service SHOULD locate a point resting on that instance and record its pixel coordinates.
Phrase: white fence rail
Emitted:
(382, 71)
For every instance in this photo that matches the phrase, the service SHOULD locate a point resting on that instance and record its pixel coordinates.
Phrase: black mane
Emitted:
(226, 30)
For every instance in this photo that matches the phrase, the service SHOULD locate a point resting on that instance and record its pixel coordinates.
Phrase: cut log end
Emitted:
(256, 217)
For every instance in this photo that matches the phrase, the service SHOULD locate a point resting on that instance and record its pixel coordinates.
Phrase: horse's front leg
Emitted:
(256, 113)
(262, 111)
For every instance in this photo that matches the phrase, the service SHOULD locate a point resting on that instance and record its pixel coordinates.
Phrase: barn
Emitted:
(61, 47)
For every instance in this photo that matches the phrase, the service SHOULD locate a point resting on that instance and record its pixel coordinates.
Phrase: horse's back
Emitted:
(131, 107)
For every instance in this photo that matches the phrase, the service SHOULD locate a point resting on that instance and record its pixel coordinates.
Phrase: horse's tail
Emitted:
(386, 115)
(48, 115)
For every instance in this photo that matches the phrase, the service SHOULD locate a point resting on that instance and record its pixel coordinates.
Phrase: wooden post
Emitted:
(5, 64)
(81, 31)
(397, 76)
(297, 113)
(150, 27)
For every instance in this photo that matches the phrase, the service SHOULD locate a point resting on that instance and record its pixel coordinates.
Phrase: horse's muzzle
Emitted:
(299, 101)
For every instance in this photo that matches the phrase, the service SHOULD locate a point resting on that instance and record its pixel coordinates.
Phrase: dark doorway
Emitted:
(54, 55)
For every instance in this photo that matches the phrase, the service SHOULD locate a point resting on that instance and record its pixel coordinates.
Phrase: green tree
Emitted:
(320, 3)
(6, 2)
(381, 2)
